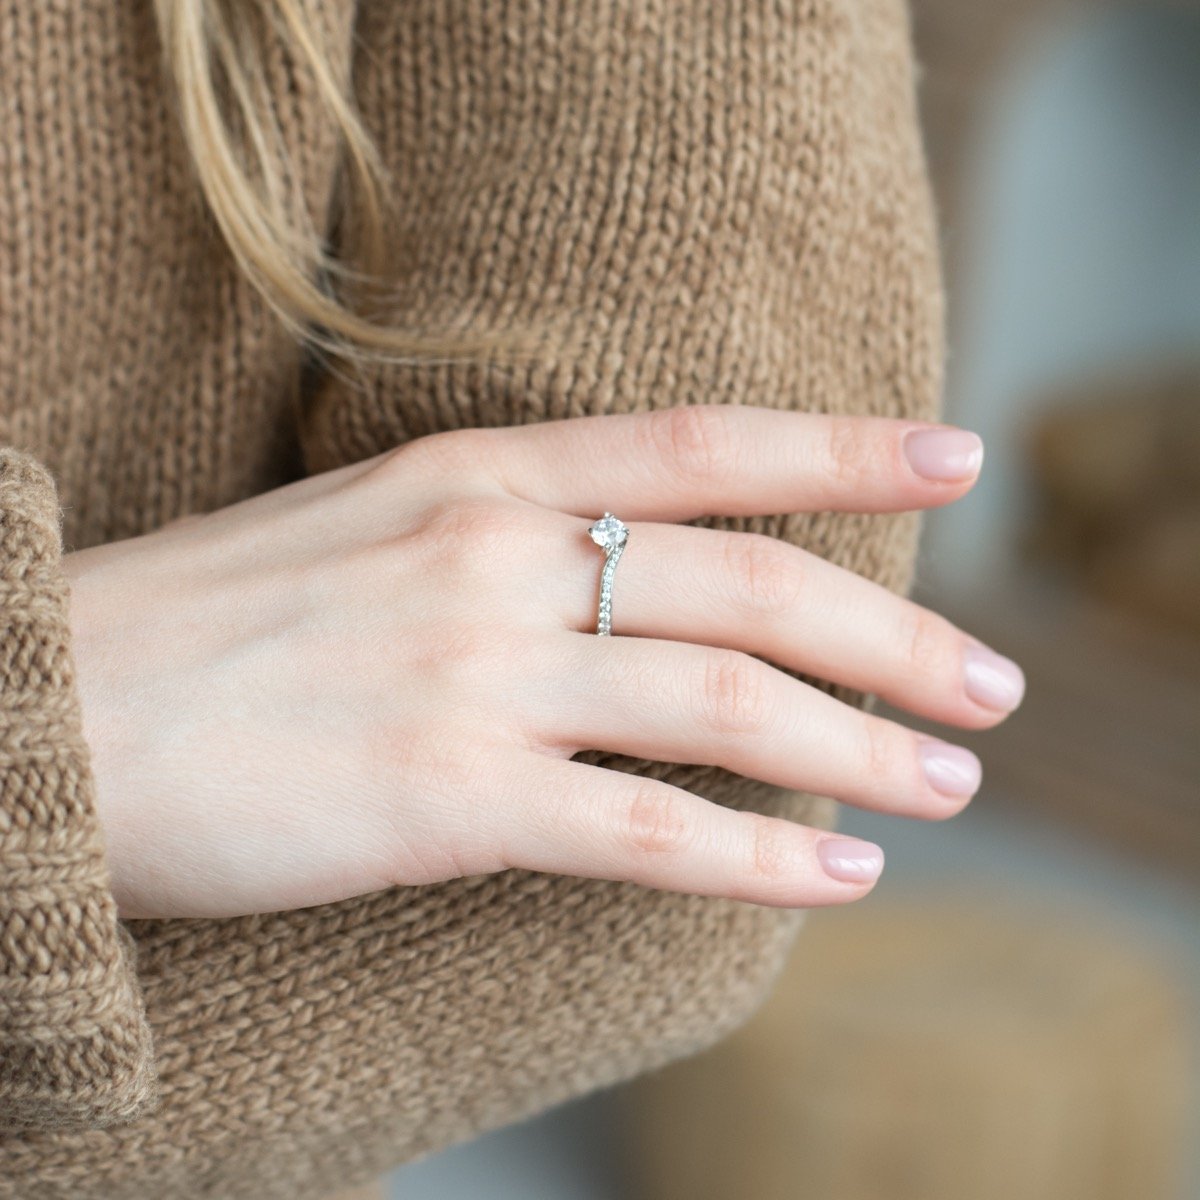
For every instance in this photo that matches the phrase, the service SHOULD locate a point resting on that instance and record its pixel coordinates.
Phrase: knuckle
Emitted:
(453, 838)
(762, 572)
(399, 462)
(449, 451)
(846, 453)
(694, 441)
(925, 640)
(653, 823)
(393, 461)
(453, 654)
(772, 858)
(732, 694)
(881, 754)
(467, 534)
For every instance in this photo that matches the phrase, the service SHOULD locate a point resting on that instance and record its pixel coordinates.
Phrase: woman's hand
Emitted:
(379, 675)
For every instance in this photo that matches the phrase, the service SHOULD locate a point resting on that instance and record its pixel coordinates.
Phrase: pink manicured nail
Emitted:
(951, 770)
(947, 455)
(992, 680)
(850, 861)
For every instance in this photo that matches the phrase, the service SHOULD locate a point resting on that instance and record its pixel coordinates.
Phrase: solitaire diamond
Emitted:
(608, 533)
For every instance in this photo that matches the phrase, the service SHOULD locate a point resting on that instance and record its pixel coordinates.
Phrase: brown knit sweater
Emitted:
(728, 199)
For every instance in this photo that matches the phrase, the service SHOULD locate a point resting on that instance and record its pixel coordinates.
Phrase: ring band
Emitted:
(610, 535)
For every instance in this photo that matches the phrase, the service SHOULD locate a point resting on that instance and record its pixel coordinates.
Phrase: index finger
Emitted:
(689, 461)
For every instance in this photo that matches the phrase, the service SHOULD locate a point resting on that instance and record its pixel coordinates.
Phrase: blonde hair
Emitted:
(214, 52)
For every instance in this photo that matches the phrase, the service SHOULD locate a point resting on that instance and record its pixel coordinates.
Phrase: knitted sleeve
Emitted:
(689, 202)
(75, 1047)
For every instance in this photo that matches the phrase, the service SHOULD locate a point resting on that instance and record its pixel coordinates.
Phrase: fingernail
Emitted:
(951, 770)
(992, 680)
(947, 455)
(850, 861)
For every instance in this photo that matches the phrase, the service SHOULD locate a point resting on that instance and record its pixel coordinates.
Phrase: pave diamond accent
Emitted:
(610, 535)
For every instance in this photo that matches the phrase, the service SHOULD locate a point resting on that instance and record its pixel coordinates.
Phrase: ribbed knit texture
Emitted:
(74, 1044)
(708, 202)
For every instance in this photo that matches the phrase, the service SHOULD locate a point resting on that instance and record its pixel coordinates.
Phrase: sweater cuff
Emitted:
(75, 1045)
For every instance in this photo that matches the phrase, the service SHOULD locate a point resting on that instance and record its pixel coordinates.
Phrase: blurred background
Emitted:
(1015, 1012)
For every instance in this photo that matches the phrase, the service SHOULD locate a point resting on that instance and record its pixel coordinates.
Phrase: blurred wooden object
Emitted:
(368, 1191)
(1107, 740)
(914, 1052)
(1115, 465)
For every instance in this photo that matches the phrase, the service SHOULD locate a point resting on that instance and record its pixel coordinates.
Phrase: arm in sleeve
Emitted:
(714, 201)
(75, 1046)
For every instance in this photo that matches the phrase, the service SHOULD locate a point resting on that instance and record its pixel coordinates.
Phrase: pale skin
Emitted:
(378, 675)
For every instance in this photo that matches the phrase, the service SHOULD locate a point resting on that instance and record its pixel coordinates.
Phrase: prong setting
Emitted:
(609, 533)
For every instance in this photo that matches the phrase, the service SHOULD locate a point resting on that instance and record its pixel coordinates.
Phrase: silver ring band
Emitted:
(610, 535)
